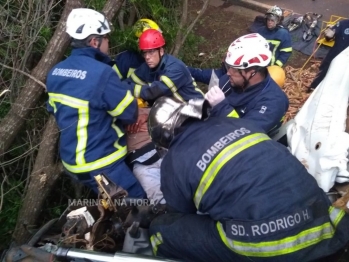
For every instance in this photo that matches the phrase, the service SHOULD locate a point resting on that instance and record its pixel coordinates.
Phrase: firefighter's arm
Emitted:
(224, 109)
(119, 101)
(330, 32)
(49, 106)
(285, 50)
(265, 116)
(200, 75)
(167, 85)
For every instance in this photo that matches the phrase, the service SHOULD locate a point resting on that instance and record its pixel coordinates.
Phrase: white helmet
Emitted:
(274, 11)
(247, 51)
(83, 22)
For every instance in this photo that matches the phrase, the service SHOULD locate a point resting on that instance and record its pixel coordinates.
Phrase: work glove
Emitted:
(214, 96)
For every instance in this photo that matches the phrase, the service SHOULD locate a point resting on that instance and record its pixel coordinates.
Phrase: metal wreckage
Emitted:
(110, 228)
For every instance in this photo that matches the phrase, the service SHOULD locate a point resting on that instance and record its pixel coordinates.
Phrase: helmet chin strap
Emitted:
(241, 89)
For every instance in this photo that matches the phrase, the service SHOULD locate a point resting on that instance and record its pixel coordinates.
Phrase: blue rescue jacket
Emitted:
(264, 103)
(90, 106)
(280, 44)
(127, 62)
(171, 78)
(264, 202)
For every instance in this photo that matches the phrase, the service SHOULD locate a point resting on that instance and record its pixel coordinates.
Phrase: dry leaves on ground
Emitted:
(296, 86)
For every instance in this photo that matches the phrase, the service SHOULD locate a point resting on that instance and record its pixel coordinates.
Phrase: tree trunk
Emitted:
(45, 173)
(180, 38)
(111, 8)
(32, 91)
(182, 24)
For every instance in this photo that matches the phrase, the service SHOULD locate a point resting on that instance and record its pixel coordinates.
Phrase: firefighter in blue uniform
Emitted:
(161, 74)
(247, 90)
(127, 61)
(91, 106)
(278, 37)
(340, 33)
(233, 194)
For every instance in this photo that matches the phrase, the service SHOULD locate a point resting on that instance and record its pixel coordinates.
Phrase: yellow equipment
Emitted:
(141, 103)
(277, 74)
(144, 24)
(325, 24)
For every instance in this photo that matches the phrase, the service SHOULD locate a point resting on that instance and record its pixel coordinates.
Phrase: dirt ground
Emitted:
(222, 24)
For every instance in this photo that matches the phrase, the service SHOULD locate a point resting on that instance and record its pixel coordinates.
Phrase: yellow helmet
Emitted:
(144, 24)
(277, 74)
(142, 103)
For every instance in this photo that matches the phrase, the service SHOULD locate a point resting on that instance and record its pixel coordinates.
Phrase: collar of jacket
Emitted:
(241, 99)
(93, 53)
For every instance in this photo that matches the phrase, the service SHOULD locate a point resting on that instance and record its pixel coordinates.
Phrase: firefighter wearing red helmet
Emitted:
(161, 74)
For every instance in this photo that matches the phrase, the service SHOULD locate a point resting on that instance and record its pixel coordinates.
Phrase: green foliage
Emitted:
(45, 35)
(5, 106)
(95, 4)
(11, 205)
(166, 16)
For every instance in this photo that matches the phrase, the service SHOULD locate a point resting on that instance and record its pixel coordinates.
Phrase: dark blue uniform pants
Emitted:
(321, 74)
(194, 237)
(119, 173)
(191, 238)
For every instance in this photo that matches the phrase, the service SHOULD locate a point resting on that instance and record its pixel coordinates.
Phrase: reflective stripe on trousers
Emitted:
(286, 245)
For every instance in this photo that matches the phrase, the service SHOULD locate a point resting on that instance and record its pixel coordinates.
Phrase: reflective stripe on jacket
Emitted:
(264, 103)
(171, 78)
(280, 44)
(247, 182)
(91, 106)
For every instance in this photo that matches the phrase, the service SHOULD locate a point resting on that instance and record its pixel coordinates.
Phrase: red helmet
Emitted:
(151, 39)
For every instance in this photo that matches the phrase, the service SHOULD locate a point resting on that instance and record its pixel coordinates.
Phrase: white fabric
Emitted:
(214, 96)
(317, 137)
(149, 178)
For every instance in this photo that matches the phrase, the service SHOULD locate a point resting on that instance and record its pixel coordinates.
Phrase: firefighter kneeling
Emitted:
(251, 201)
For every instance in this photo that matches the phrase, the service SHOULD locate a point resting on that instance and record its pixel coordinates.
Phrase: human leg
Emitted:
(149, 177)
(121, 175)
(189, 237)
(320, 75)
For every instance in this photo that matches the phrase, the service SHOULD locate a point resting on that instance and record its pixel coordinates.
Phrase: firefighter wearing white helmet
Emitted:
(248, 90)
(86, 96)
(278, 37)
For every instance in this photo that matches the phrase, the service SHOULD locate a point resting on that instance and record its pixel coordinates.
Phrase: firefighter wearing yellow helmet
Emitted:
(144, 24)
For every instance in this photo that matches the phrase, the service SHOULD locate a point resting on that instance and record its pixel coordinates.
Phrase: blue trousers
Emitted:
(191, 237)
(119, 173)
